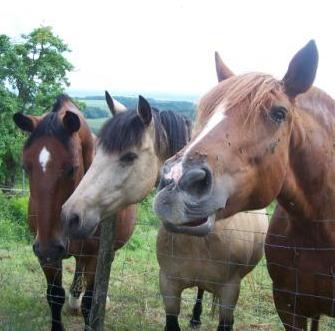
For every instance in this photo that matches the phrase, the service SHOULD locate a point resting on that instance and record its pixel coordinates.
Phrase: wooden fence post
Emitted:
(104, 264)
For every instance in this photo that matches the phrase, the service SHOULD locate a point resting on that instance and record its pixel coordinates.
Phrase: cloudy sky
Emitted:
(168, 46)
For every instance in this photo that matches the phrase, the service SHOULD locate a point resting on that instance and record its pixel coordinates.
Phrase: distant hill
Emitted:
(80, 94)
(97, 112)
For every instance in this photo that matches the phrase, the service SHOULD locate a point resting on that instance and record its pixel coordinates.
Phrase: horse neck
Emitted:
(308, 191)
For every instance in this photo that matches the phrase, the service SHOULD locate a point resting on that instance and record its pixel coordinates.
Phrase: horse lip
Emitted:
(197, 230)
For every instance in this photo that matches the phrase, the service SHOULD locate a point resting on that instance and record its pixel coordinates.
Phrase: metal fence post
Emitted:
(104, 264)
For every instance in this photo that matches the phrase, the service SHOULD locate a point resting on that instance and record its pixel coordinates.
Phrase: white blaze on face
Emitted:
(44, 158)
(217, 117)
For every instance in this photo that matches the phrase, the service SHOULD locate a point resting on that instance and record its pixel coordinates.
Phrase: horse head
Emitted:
(239, 155)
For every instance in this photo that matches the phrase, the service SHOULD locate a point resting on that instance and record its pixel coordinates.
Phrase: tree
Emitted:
(35, 68)
(11, 138)
(33, 71)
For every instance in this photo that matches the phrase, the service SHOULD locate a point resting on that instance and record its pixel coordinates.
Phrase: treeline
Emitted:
(185, 107)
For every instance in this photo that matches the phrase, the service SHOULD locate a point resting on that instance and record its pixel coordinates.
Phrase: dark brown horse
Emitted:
(258, 139)
(58, 152)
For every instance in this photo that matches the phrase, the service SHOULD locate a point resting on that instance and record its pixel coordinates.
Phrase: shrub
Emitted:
(13, 218)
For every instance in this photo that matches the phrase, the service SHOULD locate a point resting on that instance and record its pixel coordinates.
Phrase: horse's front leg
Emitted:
(55, 293)
(197, 310)
(171, 292)
(89, 268)
(228, 295)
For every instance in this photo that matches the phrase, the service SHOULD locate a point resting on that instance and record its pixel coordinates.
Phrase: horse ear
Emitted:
(71, 122)
(301, 70)
(222, 71)
(144, 110)
(25, 122)
(113, 105)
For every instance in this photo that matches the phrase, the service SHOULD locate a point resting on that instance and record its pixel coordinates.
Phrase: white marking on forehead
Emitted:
(217, 117)
(44, 158)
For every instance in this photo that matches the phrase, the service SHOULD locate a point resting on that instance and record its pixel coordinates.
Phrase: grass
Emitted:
(134, 292)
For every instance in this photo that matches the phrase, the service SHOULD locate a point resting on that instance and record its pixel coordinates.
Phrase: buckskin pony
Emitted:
(258, 139)
(217, 263)
(56, 155)
(131, 148)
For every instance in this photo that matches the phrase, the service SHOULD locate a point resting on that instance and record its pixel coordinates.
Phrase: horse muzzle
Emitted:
(78, 226)
(187, 204)
(50, 253)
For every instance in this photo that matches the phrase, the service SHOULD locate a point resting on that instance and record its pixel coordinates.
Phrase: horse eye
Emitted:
(69, 172)
(278, 114)
(128, 157)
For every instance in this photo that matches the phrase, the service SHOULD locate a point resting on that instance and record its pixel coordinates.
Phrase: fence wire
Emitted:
(136, 302)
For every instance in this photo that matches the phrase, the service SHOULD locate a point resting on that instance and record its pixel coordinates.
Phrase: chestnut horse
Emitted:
(258, 139)
(58, 152)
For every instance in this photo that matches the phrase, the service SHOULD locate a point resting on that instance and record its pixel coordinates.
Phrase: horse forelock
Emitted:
(121, 132)
(50, 126)
(256, 89)
(61, 100)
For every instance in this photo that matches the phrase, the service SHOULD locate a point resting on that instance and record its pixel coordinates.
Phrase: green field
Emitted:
(95, 103)
(135, 300)
(96, 123)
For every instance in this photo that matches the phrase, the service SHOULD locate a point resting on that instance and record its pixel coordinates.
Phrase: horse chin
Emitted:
(198, 227)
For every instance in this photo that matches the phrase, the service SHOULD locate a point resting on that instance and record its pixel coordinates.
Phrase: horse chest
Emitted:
(205, 261)
(304, 273)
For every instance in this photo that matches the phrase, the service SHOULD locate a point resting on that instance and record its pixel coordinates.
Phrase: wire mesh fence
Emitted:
(135, 299)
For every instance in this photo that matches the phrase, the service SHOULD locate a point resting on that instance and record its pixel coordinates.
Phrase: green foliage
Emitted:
(11, 138)
(145, 214)
(35, 67)
(13, 219)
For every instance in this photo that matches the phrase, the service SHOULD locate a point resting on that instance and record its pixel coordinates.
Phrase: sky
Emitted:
(168, 46)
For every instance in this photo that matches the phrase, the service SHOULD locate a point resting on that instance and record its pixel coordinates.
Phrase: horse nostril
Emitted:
(74, 221)
(60, 250)
(163, 183)
(196, 181)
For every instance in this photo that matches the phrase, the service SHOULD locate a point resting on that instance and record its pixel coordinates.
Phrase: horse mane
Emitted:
(126, 129)
(51, 124)
(123, 130)
(256, 88)
(178, 130)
